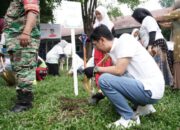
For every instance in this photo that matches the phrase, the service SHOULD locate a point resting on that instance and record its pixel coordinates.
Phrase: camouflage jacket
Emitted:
(16, 18)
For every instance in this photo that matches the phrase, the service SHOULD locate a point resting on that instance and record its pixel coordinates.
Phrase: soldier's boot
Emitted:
(24, 101)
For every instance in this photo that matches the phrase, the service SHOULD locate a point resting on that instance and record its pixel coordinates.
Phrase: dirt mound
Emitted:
(73, 106)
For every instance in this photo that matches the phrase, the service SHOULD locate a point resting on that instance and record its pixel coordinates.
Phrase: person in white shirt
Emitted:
(152, 39)
(129, 57)
(52, 59)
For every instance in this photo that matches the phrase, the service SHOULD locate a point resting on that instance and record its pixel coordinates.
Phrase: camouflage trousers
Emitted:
(24, 61)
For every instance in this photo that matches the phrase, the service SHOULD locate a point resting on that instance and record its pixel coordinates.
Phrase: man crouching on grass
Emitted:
(145, 88)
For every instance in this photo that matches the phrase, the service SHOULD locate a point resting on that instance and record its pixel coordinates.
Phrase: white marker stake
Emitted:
(74, 62)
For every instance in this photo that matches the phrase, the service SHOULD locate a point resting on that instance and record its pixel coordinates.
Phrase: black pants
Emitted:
(53, 69)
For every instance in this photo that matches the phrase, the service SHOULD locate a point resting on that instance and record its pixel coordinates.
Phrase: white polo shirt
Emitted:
(149, 24)
(52, 56)
(142, 66)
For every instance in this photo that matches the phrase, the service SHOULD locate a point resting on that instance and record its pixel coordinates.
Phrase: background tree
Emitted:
(131, 3)
(166, 3)
(46, 9)
(166, 31)
(88, 7)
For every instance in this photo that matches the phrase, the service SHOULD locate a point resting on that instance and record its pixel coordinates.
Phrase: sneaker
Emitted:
(145, 110)
(123, 123)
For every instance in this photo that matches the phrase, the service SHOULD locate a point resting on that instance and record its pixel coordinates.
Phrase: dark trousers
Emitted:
(53, 69)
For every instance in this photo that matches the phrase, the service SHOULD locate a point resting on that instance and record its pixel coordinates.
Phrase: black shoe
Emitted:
(24, 101)
(96, 98)
(24, 97)
(21, 107)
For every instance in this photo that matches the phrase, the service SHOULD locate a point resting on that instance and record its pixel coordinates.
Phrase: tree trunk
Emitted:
(88, 7)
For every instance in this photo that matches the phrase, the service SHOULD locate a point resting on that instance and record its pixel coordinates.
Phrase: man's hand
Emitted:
(24, 39)
(89, 72)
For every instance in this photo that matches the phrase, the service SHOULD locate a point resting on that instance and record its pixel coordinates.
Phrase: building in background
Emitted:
(50, 36)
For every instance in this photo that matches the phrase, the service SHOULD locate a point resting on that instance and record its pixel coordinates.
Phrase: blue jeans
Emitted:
(120, 88)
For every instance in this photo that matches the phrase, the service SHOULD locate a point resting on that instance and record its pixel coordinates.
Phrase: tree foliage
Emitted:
(46, 9)
(131, 3)
(166, 3)
(114, 12)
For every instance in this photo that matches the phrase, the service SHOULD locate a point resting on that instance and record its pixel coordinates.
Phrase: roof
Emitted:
(125, 22)
(129, 22)
(67, 31)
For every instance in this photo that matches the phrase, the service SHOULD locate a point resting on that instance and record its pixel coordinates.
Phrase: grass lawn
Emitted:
(56, 108)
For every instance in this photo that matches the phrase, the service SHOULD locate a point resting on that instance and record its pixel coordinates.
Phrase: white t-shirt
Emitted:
(149, 24)
(142, 66)
(53, 55)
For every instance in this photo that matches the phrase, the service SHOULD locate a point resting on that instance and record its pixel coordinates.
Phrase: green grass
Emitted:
(56, 108)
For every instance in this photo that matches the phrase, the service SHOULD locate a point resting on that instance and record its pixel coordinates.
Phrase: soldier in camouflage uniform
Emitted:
(22, 40)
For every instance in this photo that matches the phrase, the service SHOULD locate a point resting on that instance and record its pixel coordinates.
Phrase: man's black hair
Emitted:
(101, 31)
